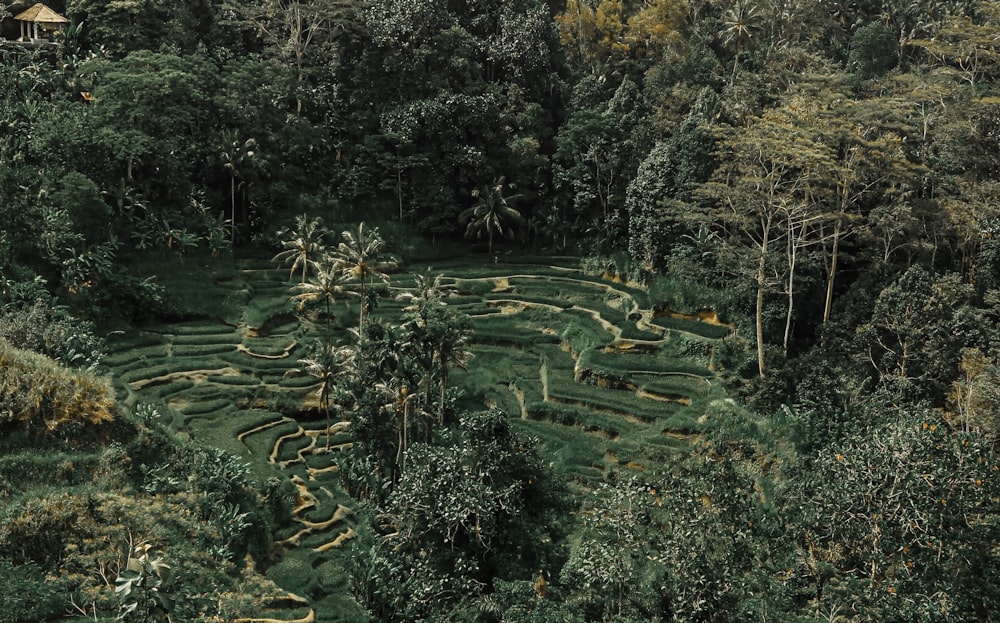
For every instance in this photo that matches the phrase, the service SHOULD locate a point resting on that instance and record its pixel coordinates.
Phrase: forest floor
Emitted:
(582, 363)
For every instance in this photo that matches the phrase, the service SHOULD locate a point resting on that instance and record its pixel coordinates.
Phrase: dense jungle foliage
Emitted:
(818, 177)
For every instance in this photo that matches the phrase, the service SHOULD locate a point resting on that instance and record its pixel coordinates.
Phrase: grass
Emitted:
(204, 339)
(206, 406)
(694, 327)
(164, 391)
(566, 445)
(563, 388)
(129, 355)
(193, 328)
(200, 350)
(261, 443)
(276, 346)
(239, 380)
(640, 363)
(674, 384)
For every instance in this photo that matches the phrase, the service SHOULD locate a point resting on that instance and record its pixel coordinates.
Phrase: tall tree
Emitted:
(966, 44)
(237, 157)
(919, 325)
(448, 333)
(491, 214)
(360, 256)
(301, 33)
(872, 164)
(303, 246)
(327, 284)
(331, 366)
(761, 193)
(456, 520)
(741, 24)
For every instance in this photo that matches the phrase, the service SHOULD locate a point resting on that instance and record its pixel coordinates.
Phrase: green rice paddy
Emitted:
(581, 364)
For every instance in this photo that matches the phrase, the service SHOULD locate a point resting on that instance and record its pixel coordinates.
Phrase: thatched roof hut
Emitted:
(39, 19)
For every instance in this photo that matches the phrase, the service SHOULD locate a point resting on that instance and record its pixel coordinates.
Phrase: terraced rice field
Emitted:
(581, 363)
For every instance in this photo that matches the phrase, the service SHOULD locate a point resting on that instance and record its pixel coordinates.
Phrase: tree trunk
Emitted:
(791, 302)
(903, 358)
(399, 447)
(831, 272)
(361, 314)
(399, 186)
(759, 320)
(325, 402)
(232, 209)
(444, 387)
(761, 284)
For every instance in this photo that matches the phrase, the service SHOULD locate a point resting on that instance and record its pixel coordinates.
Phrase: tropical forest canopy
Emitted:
(788, 208)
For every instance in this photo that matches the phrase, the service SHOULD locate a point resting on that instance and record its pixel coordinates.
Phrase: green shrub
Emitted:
(474, 287)
(681, 294)
(582, 331)
(558, 413)
(27, 595)
(563, 388)
(270, 346)
(234, 380)
(175, 365)
(294, 573)
(295, 381)
(125, 360)
(197, 328)
(51, 330)
(509, 329)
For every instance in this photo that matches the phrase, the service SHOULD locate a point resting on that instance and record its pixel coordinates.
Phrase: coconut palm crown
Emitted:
(492, 214)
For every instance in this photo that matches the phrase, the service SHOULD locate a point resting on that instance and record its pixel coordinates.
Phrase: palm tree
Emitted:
(360, 257)
(400, 403)
(740, 25)
(236, 153)
(492, 214)
(304, 247)
(331, 363)
(448, 333)
(326, 285)
(427, 287)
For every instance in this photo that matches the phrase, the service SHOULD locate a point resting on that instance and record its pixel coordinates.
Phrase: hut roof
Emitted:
(41, 14)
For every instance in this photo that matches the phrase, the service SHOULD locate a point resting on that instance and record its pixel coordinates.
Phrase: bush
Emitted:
(27, 596)
(39, 395)
(874, 51)
(52, 331)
